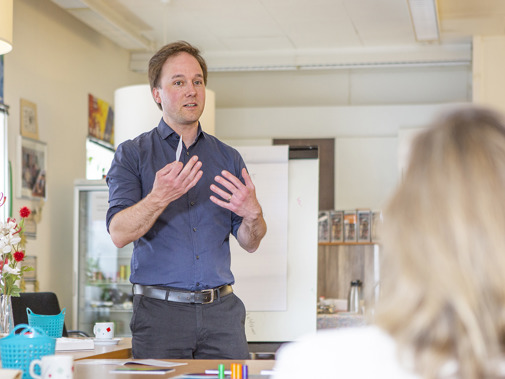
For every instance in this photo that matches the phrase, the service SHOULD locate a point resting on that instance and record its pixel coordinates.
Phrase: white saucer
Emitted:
(106, 341)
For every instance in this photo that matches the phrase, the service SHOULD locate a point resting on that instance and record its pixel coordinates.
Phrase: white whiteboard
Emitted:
(261, 277)
(299, 315)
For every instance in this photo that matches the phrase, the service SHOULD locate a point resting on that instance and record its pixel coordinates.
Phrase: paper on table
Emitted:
(141, 369)
(146, 366)
(99, 362)
(154, 362)
(65, 343)
(146, 362)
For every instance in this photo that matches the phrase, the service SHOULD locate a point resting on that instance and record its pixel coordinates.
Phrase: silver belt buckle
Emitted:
(211, 291)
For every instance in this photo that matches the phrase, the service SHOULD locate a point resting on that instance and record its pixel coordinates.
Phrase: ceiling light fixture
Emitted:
(5, 26)
(424, 17)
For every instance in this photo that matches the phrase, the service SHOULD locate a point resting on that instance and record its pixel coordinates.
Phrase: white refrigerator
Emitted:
(102, 290)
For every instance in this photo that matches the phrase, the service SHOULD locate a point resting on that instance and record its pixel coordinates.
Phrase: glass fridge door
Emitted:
(104, 292)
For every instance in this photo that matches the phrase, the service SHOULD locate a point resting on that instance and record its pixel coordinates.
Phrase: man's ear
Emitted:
(156, 95)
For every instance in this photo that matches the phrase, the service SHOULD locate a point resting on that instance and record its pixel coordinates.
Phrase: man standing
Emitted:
(178, 193)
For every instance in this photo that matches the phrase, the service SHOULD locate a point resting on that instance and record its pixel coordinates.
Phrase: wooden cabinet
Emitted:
(338, 264)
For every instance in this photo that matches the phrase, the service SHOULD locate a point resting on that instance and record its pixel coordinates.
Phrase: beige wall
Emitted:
(488, 71)
(56, 61)
(367, 144)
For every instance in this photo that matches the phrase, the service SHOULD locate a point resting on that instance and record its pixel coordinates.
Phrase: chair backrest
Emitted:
(42, 303)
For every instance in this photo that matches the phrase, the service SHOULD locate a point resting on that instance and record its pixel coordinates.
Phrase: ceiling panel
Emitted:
(255, 36)
(232, 29)
(243, 25)
(382, 22)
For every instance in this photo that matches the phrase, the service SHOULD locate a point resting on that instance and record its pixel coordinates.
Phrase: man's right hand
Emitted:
(174, 180)
(170, 183)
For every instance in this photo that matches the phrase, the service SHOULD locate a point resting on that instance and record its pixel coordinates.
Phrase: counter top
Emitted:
(339, 320)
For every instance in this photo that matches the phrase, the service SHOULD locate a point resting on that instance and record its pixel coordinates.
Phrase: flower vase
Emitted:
(6, 317)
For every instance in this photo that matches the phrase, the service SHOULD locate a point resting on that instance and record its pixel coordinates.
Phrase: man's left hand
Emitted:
(239, 198)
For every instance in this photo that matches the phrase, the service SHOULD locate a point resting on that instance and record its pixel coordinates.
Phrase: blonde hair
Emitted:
(443, 262)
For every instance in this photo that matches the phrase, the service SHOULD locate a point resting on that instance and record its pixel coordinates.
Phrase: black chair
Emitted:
(42, 303)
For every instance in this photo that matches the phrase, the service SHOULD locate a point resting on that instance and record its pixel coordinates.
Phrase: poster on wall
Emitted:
(100, 120)
(29, 125)
(32, 172)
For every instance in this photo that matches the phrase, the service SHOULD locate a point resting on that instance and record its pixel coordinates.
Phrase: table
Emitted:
(95, 370)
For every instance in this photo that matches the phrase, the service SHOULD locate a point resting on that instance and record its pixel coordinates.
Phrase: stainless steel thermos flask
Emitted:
(355, 297)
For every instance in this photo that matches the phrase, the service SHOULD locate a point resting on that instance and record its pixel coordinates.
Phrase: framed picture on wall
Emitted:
(29, 124)
(32, 160)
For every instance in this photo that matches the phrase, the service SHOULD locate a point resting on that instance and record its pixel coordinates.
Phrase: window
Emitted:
(99, 156)
(4, 162)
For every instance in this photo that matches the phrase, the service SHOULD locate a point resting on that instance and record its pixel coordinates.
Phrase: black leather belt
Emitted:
(181, 296)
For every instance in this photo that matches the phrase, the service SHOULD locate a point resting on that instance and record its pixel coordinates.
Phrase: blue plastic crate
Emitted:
(51, 324)
(24, 344)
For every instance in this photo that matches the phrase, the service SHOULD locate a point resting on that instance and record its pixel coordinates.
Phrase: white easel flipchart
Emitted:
(278, 283)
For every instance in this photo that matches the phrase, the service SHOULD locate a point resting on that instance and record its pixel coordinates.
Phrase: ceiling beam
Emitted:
(431, 54)
(101, 16)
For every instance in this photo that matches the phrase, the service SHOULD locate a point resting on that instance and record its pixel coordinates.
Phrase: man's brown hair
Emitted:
(158, 60)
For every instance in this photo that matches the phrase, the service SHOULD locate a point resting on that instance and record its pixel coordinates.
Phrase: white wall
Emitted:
(56, 61)
(366, 148)
(393, 85)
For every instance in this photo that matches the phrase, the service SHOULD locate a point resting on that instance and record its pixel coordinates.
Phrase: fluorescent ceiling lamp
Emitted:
(425, 19)
(5, 26)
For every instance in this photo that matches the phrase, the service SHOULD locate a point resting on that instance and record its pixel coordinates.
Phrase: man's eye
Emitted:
(198, 82)
(178, 83)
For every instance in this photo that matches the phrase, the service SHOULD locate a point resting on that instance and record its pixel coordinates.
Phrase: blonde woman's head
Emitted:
(443, 268)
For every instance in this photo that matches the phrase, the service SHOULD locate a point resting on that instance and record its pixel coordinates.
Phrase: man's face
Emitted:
(181, 92)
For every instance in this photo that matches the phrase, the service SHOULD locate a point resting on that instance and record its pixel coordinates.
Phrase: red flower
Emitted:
(24, 212)
(18, 256)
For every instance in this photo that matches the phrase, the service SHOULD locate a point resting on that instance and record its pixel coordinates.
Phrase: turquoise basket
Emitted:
(51, 324)
(24, 344)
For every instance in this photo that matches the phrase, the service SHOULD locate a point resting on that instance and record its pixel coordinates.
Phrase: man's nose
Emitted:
(191, 90)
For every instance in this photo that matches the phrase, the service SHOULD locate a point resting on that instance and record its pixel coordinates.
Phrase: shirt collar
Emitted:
(165, 131)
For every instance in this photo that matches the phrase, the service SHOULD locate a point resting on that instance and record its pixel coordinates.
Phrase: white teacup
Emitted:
(104, 330)
(53, 367)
